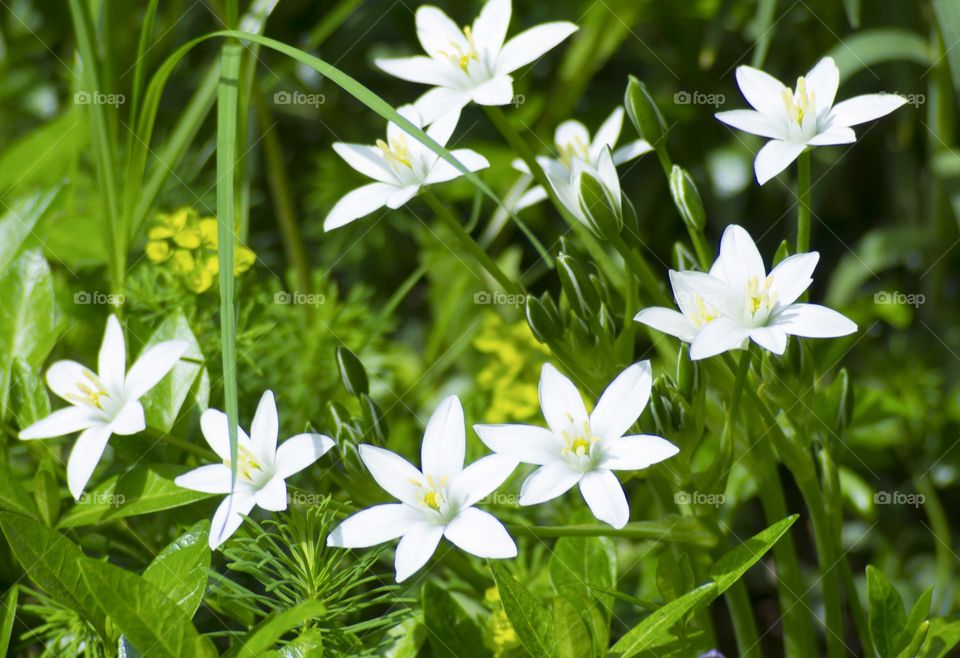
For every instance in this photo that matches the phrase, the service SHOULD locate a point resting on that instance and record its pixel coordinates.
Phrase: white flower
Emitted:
(437, 502)
(580, 448)
(806, 116)
(738, 301)
(262, 467)
(401, 166)
(472, 64)
(102, 403)
(573, 144)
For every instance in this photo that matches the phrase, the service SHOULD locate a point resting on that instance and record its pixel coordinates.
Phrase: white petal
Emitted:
(608, 133)
(560, 401)
(373, 526)
(773, 339)
(763, 91)
(265, 428)
(439, 101)
(861, 109)
(813, 321)
(635, 452)
(531, 197)
(481, 478)
(84, 457)
(440, 130)
(571, 134)
(531, 44)
(608, 175)
(129, 420)
(444, 440)
(622, 402)
(548, 482)
(718, 336)
(754, 123)
(273, 495)
(490, 27)
(668, 321)
(415, 548)
(605, 498)
(64, 376)
(437, 32)
(774, 157)
(112, 359)
(393, 473)
(424, 70)
(401, 196)
(300, 451)
(529, 444)
(498, 91)
(60, 422)
(443, 171)
(358, 203)
(480, 533)
(833, 136)
(229, 517)
(368, 160)
(695, 292)
(792, 276)
(740, 258)
(823, 80)
(631, 150)
(212, 478)
(152, 365)
(213, 424)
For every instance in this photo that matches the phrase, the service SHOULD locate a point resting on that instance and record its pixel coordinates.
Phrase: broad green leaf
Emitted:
(573, 637)
(29, 400)
(942, 636)
(53, 562)
(674, 576)
(13, 496)
(531, 620)
(151, 622)
(887, 619)
(308, 644)
(583, 570)
(450, 631)
(50, 149)
(27, 317)
(7, 616)
(162, 404)
(141, 490)
(870, 47)
(46, 492)
(18, 221)
(269, 631)
(405, 639)
(180, 569)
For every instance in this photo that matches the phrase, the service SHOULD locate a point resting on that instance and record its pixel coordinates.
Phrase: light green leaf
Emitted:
(887, 619)
(942, 636)
(269, 631)
(29, 400)
(530, 619)
(18, 221)
(573, 637)
(180, 569)
(13, 496)
(162, 404)
(450, 631)
(50, 149)
(583, 570)
(729, 568)
(870, 47)
(308, 644)
(405, 639)
(9, 614)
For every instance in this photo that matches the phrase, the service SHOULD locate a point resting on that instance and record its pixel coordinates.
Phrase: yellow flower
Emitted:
(509, 376)
(157, 251)
(178, 219)
(199, 280)
(208, 231)
(159, 233)
(243, 259)
(183, 262)
(188, 238)
(212, 264)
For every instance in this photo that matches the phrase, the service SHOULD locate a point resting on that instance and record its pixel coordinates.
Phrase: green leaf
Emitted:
(530, 619)
(180, 569)
(28, 394)
(574, 639)
(942, 636)
(50, 149)
(27, 317)
(52, 562)
(947, 13)
(918, 613)
(450, 631)
(18, 221)
(269, 631)
(151, 622)
(13, 496)
(46, 492)
(871, 47)
(887, 619)
(141, 490)
(308, 644)
(729, 568)
(583, 570)
(162, 404)
(674, 576)
(7, 617)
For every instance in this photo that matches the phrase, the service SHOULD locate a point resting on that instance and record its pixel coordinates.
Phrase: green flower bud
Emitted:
(579, 289)
(373, 419)
(596, 206)
(687, 198)
(352, 372)
(643, 112)
(543, 325)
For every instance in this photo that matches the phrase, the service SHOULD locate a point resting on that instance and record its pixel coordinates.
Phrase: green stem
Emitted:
(744, 625)
(641, 530)
(803, 202)
(940, 525)
(742, 370)
(701, 247)
(179, 443)
(641, 268)
(475, 250)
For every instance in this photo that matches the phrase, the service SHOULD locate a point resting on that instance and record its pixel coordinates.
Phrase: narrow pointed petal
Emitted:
(300, 451)
(372, 526)
(365, 159)
(607, 134)
(696, 292)
(740, 258)
(622, 402)
(480, 533)
(212, 478)
(273, 495)
(560, 400)
(153, 365)
(438, 101)
(229, 516)
(720, 335)
(813, 321)
(631, 150)
(571, 134)
(531, 44)
(213, 424)
(834, 136)
(774, 157)
(604, 496)
(129, 420)
(401, 196)
(112, 359)
(62, 421)
(265, 428)
(437, 32)
(498, 91)
(548, 482)
(668, 321)
(393, 473)
(481, 478)
(358, 203)
(861, 109)
(527, 443)
(763, 91)
(636, 452)
(84, 457)
(754, 122)
(490, 27)
(440, 130)
(415, 549)
(773, 339)
(424, 70)
(823, 81)
(531, 197)
(443, 171)
(792, 276)
(63, 378)
(444, 440)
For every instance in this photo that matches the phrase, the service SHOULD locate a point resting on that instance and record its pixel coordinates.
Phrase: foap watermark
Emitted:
(499, 498)
(101, 498)
(914, 299)
(304, 498)
(912, 99)
(95, 297)
(699, 498)
(698, 98)
(98, 98)
(299, 298)
(898, 498)
(299, 98)
(518, 100)
(497, 298)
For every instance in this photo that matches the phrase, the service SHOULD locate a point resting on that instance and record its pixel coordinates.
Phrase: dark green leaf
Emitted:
(7, 617)
(352, 372)
(530, 619)
(583, 570)
(269, 631)
(46, 492)
(887, 619)
(450, 631)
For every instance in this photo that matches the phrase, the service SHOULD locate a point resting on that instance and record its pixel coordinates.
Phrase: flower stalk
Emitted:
(803, 202)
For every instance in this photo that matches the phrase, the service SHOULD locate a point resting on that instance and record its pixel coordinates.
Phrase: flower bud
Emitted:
(598, 195)
(687, 198)
(643, 112)
(352, 372)
(542, 323)
(579, 289)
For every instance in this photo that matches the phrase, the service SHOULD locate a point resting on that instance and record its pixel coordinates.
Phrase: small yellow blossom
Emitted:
(183, 261)
(208, 231)
(510, 375)
(501, 636)
(158, 251)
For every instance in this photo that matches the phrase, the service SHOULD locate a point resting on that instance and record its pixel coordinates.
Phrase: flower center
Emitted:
(800, 103)
(704, 315)
(760, 301)
(575, 148)
(397, 152)
(91, 391)
(247, 464)
(460, 56)
(433, 495)
(579, 444)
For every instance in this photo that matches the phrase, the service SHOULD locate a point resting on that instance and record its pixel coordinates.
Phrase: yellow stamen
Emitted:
(246, 462)
(397, 151)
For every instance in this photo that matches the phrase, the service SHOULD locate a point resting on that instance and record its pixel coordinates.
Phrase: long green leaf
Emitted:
(269, 631)
(9, 614)
(887, 619)
(871, 47)
(529, 617)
